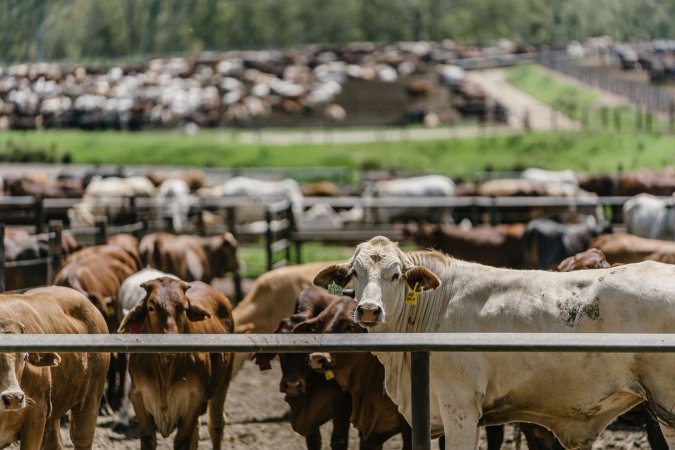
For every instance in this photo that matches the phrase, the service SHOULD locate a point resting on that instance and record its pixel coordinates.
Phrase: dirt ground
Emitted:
(258, 419)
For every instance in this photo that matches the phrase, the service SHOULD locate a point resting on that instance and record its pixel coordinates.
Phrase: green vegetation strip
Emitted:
(591, 151)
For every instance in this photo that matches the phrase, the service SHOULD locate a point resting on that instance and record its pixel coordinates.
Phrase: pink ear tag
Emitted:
(263, 364)
(411, 297)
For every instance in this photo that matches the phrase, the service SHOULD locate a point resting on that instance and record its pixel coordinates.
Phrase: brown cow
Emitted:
(499, 246)
(129, 244)
(191, 258)
(645, 181)
(313, 399)
(627, 248)
(172, 391)
(271, 299)
(36, 392)
(589, 259)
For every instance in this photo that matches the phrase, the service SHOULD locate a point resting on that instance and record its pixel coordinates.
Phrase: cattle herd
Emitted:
(239, 88)
(465, 278)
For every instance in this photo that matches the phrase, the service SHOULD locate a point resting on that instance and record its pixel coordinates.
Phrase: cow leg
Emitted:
(460, 421)
(33, 428)
(217, 416)
(668, 434)
(313, 440)
(654, 435)
(495, 436)
(339, 439)
(146, 426)
(83, 416)
(124, 416)
(52, 436)
(187, 436)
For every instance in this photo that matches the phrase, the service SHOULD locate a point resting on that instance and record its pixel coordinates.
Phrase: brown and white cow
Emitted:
(170, 391)
(37, 389)
(191, 258)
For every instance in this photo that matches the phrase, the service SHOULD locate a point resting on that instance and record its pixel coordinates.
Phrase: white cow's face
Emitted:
(380, 272)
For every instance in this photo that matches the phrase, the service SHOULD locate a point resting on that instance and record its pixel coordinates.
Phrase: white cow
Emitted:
(173, 200)
(129, 294)
(651, 217)
(424, 186)
(106, 196)
(576, 395)
(550, 176)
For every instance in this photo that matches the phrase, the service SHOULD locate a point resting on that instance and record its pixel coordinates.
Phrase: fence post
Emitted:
(419, 389)
(232, 220)
(55, 250)
(101, 231)
(39, 215)
(617, 119)
(269, 239)
(132, 205)
(604, 116)
(2, 257)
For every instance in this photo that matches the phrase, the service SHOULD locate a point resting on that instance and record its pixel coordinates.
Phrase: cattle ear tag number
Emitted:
(329, 374)
(334, 288)
(411, 297)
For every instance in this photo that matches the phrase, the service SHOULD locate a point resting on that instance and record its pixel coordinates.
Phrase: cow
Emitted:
(588, 259)
(172, 391)
(173, 200)
(645, 182)
(312, 397)
(360, 374)
(424, 186)
(23, 246)
(193, 178)
(651, 217)
(499, 246)
(550, 176)
(37, 389)
(627, 248)
(271, 299)
(191, 258)
(107, 197)
(484, 388)
(547, 242)
(129, 244)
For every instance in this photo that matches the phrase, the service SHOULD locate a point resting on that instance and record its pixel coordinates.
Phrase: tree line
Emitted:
(76, 30)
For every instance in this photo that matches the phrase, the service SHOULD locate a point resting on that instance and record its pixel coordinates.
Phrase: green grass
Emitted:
(590, 151)
(584, 105)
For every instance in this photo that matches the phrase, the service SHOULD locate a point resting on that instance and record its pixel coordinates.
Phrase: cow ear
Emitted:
(421, 278)
(310, 326)
(196, 313)
(44, 359)
(337, 273)
(132, 322)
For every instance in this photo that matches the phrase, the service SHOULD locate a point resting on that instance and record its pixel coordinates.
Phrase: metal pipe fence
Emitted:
(419, 344)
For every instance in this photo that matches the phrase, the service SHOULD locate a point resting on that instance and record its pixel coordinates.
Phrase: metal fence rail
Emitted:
(420, 344)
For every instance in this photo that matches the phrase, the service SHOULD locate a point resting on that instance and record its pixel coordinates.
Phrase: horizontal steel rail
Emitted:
(381, 342)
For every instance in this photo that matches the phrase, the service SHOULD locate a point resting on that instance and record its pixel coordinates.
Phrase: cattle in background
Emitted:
(173, 200)
(321, 189)
(547, 242)
(482, 387)
(23, 246)
(406, 188)
(627, 248)
(38, 390)
(107, 197)
(193, 178)
(589, 259)
(42, 188)
(603, 185)
(129, 244)
(271, 299)
(499, 246)
(191, 258)
(648, 216)
(550, 176)
(172, 391)
(645, 181)
(312, 397)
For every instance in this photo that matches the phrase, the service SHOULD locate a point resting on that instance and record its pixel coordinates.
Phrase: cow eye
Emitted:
(151, 308)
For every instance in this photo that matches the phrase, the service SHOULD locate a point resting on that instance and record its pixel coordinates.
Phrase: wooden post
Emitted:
(269, 236)
(101, 231)
(232, 220)
(55, 249)
(2, 257)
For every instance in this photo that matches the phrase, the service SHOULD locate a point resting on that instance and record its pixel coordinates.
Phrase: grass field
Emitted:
(589, 151)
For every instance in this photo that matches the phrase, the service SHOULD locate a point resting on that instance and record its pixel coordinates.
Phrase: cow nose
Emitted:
(293, 388)
(13, 400)
(368, 313)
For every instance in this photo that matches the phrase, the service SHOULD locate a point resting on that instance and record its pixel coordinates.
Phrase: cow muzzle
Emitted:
(368, 314)
(292, 388)
(12, 400)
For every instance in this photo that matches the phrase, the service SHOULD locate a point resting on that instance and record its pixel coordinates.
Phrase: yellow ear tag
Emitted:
(329, 374)
(411, 297)
(334, 288)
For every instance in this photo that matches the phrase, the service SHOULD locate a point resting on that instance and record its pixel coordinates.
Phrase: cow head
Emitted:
(380, 272)
(165, 309)
(12, 365)
(223, 254)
